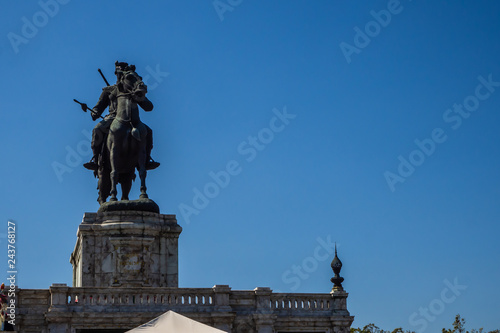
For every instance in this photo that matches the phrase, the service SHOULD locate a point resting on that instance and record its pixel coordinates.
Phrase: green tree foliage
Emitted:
(400, 330)
(458, 327)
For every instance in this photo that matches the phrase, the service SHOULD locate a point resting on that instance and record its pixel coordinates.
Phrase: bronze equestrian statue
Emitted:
(121, 143)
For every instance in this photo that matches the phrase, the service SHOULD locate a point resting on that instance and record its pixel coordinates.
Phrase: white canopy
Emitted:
(171, 322)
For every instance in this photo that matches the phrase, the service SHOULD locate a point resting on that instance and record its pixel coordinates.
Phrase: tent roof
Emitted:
(171, 322)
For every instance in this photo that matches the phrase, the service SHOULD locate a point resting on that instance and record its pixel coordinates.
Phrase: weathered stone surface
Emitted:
(235, 311)
(126, 248)
(125, 273)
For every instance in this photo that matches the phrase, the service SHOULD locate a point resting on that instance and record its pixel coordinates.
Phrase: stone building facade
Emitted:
(125, 273)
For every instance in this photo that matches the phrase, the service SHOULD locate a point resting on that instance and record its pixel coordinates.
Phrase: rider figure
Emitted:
(108, 98)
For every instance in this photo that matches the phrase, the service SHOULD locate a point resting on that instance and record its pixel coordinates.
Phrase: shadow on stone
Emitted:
(145, 205)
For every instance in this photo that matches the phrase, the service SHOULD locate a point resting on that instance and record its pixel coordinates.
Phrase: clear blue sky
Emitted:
(356, 104)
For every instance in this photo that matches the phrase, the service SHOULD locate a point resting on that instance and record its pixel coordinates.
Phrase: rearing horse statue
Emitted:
(125, 148)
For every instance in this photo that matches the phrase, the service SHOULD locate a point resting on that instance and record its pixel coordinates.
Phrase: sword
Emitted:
(85, 108)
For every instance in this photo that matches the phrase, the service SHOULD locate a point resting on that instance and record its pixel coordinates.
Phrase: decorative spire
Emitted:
(336, 267)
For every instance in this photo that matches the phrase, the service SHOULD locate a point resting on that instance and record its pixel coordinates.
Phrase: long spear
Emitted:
(107, 83)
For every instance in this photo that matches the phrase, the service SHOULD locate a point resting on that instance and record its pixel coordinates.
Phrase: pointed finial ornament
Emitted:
(336, 267)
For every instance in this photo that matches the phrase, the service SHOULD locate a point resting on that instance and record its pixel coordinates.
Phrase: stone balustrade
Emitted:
(221, 307)
(202, 299)
(302, 302)
(85, 297)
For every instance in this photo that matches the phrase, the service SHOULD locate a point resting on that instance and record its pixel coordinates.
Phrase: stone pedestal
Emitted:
(126, 249)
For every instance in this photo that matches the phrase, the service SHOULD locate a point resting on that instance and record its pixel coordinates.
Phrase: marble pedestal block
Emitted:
(126, 249)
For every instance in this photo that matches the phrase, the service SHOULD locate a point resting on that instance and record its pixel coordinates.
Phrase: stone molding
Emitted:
(260, 310)
(126, 248)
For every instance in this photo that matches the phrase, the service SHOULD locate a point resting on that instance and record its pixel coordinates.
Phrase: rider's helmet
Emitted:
(120, 67)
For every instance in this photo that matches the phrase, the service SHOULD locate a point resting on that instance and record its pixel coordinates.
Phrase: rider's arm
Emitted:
(146, 104)
(103, 102)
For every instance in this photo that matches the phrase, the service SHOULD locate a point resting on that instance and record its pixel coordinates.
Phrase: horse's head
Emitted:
(130, 82)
